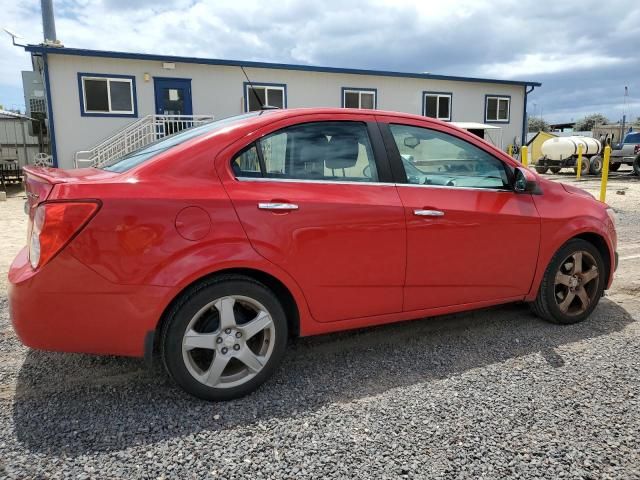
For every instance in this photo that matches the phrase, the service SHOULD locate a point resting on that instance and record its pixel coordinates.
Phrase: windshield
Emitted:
(137, 157)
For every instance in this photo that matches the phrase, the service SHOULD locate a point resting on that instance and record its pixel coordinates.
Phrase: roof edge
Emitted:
(276, 66)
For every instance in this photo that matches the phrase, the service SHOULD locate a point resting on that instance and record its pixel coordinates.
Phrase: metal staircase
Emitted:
(137, 135)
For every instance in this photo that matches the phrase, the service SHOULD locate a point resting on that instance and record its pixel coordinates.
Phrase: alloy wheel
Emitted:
(228, 341)
(576, 283)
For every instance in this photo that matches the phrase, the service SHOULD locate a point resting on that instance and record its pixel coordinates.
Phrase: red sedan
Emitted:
(213, 246)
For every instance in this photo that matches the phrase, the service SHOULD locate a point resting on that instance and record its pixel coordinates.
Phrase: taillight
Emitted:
(54, 225)
(636, 150)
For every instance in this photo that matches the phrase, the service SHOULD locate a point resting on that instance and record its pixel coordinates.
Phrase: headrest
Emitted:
(312, 150)
(342, 151)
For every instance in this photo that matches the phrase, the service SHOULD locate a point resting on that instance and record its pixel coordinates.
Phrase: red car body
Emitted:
(353, 255)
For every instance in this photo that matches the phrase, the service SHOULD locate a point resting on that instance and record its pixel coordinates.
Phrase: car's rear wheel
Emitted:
(595, 167)
(541, 169)
(585, 167)
(572, 284)
(555, 170)
(224, 337)
(636, 165)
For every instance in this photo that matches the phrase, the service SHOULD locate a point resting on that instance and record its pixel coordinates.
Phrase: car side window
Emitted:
(431, 157)
(328, 151)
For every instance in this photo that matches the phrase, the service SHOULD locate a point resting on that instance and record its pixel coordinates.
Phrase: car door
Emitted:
(470, 237)
(311, 200)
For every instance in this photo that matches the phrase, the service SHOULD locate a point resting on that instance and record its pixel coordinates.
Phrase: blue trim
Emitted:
(182, 83)
(494, 95)
(525, 120)
(52, 129)
(105, 114)
(277, 66)
(424, 107)
(245, 91)
(360, 89)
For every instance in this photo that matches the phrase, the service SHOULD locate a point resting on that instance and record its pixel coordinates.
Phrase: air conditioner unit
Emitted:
(35, 101)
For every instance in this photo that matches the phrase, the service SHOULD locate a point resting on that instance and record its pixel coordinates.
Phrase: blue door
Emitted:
(173, 96)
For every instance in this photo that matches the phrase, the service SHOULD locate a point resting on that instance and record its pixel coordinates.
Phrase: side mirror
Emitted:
(525, 181)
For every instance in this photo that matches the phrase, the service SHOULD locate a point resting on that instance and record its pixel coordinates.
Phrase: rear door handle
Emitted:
(277, 206)
(428, 213)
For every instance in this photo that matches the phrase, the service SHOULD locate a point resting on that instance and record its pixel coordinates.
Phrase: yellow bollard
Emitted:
(510, 150)
(605, 173)
(579, 164)
(524, 156)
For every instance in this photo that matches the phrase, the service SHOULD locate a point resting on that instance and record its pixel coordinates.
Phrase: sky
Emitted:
(583, 52)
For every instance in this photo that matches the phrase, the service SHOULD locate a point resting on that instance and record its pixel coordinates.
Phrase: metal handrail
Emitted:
(137, 135)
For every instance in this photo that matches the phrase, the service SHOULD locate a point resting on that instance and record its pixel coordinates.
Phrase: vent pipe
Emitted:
(48, 22)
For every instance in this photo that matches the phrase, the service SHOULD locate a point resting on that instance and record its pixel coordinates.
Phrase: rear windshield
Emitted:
(632, 138)
(147, 152)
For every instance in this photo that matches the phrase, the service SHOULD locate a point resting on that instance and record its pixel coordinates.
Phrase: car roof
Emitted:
(270, 116)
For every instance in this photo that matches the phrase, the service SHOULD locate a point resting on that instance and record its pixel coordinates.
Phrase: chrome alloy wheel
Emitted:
(228, 341)
(576, 283)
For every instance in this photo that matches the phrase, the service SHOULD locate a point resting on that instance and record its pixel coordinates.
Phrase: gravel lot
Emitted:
(489, 394)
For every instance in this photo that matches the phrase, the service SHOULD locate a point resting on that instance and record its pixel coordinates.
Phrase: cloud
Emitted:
(583, 53)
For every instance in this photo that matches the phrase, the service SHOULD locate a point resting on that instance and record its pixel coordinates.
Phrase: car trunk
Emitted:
(40, 181)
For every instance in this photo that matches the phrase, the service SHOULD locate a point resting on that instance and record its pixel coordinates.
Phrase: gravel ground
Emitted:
(489, 394)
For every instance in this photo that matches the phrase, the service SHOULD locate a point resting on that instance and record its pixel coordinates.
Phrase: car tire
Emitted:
(585, 167)
(562, 290)
(224, 337)
(541, 169)
(614, 167)
(636, 166)
(595, 165)
(555, 170)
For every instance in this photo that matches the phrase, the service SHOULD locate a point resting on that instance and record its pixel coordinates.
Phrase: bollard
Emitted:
(524, 156)
(510, 150)
(579, 164)
(605, 173)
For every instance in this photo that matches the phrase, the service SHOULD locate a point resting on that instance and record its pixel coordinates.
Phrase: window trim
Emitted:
(266, 86)
(398, 170)
(486, 108)
(359, 91)
(107, 76)
(438, 95)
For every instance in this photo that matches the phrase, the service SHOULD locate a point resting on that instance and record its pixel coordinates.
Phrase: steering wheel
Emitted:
(366, 171)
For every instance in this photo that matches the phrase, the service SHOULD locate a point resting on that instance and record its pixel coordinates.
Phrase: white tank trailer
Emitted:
(562, 152)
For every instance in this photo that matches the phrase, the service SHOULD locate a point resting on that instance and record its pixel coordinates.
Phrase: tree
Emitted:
(537, 124)
(587, 123)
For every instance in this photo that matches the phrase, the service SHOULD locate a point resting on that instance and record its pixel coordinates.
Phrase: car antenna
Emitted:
(262, 105)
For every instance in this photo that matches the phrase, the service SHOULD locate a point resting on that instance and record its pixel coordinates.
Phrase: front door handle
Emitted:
(428, 213)
(277, 206)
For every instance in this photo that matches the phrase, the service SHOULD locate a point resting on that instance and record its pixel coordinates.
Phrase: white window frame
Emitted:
(498, 99)
(266, 88)
(108, 80)
(438, 96)
(359, 92)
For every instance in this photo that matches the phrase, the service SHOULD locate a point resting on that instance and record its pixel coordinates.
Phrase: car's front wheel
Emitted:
(572, 284)
(224, 337)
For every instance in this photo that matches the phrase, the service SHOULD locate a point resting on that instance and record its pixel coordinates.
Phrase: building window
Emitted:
(436, 105)
(111, 95)
(258, 95)
(359, 98)
(497, 108)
